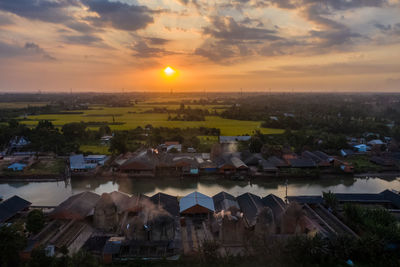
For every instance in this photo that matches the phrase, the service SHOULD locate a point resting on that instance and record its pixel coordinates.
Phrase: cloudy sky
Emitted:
(108, 45)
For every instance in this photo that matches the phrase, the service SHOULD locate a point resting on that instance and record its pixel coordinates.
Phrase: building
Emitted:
(11, 207)
(196, 203)
(277, 206)
(268, 168)
(166, 202)
(302, 163)
(97, 159)
(18, 142)
(76, 207)
(250, 205)
(141, 164)
(17, 167)
(362, 148)
(228, 219)
(277, 162)
(319, 157)
(225, 202)
(78, 164)
(105, 215)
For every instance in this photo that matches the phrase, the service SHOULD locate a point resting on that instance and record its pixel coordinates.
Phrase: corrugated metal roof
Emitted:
(238, 163)
(167, 202)
(276, 204)
(306, 199)
(12, 206)
(194, 199)
(250, 205)
(224, 201)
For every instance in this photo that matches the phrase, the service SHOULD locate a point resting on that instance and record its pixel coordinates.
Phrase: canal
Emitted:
(52, 193)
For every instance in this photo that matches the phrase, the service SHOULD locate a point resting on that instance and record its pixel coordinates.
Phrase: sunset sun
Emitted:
(169, 71)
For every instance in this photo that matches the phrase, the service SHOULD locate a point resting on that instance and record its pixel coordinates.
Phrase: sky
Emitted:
(222, 45)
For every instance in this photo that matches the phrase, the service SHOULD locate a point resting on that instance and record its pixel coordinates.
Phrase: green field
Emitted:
(18, 105)
(133, 117)
(95, 149)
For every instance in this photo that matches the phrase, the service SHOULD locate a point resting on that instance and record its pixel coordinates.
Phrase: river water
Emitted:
(53, 193)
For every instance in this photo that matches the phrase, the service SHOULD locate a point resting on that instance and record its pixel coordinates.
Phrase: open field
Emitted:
(132, 118)
(11, 105)
(42, 167)
(95, 149)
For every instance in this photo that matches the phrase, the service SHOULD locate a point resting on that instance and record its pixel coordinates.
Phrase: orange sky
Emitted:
(105, 45)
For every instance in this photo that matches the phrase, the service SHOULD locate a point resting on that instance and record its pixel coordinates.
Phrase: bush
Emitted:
(35, 221)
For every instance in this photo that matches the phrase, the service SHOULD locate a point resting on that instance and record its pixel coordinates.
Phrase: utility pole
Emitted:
(286, 185)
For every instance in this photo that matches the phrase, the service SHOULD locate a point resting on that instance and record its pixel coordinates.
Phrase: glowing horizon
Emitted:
(300, 45)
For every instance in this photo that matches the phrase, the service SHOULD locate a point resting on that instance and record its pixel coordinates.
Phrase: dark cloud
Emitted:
(389, 29)
(157, 41)
(334, 4)
(44, 10)
(38, 50)
(81, 27)
(119, 15)
(216, 52)
(229, 30)
(142, 49)
(29, 49)
(228, 40)
(383, 27)
(83, 39)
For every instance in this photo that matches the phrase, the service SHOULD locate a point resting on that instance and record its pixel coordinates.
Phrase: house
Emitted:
(78, 164)
(267, 167)
(228, 219)
(169, 145)
(105, 215)
(207, 166)
(188, 165)
(276, 204)
(76, 207)
(18, 142)
(166, 202)
(251, 159)
(277, 162)
(225, 202)
(225, 165)
(142, 164)
(302, 163)
(111, 249)
(11, 207)
(376, 142)
(319, 157)
(196, 203)
(361, 148)
(97, 159)
(105, 140)
(344, 166)
(239, 164)
(17, 167)
(346, 152)
(250, 205)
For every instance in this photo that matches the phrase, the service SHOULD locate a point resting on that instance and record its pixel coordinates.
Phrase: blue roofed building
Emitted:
(196, 203)
(17, 167)
(78, 164)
